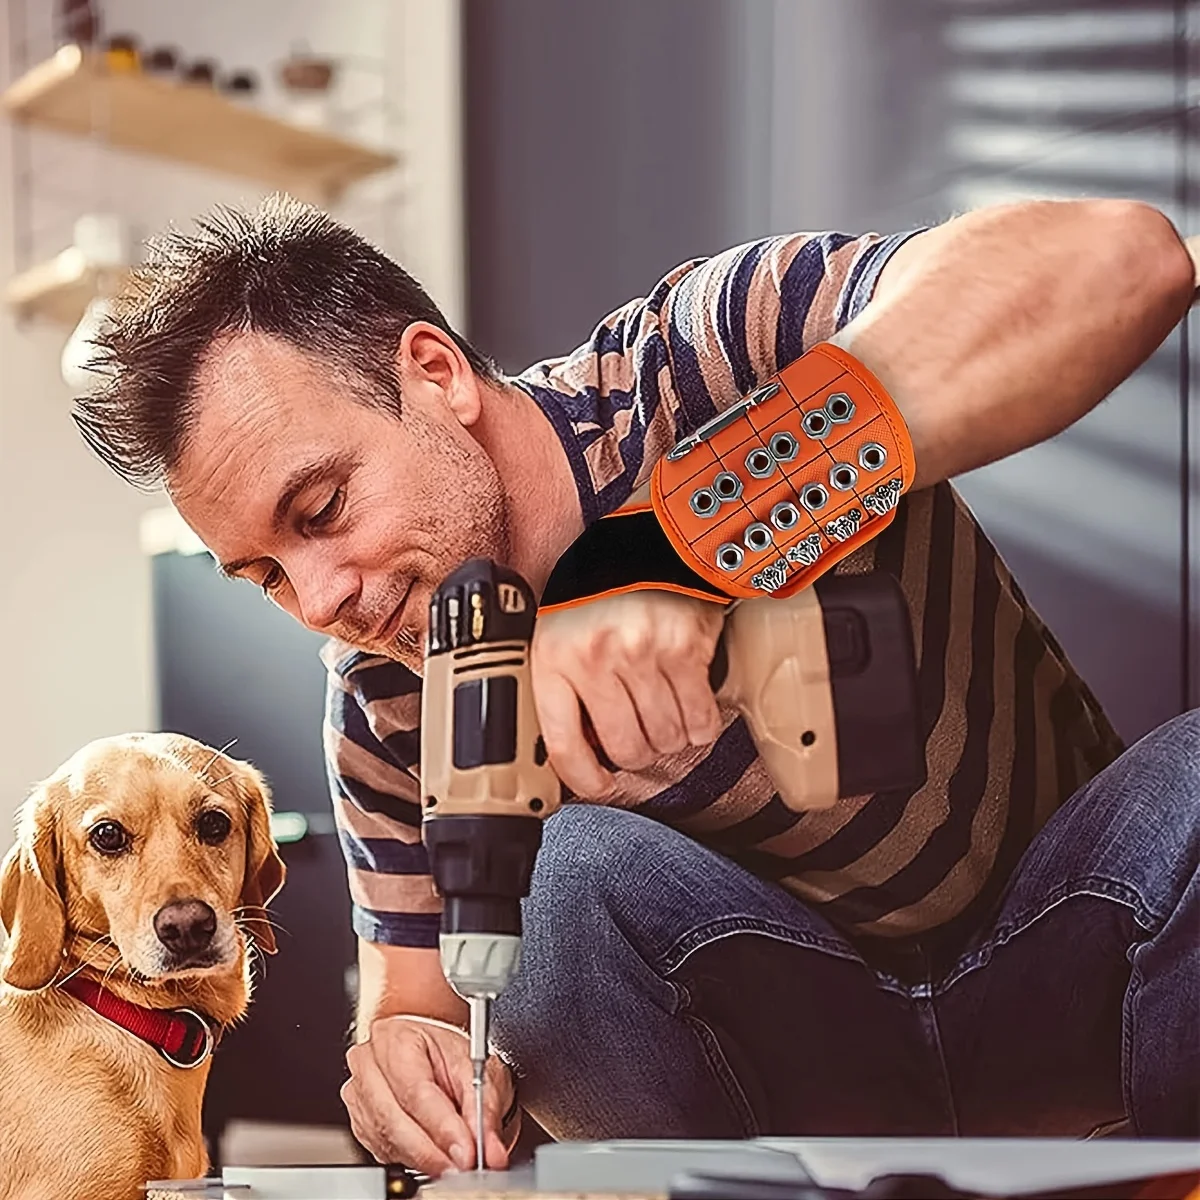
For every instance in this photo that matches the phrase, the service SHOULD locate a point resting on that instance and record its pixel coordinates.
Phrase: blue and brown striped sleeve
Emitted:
(372, 739)
(707, 334)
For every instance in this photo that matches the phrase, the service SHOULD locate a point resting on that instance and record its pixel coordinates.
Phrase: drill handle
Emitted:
(826, 682)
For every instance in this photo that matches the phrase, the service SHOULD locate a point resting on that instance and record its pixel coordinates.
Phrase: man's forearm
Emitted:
(1004, 326)
(394, 980)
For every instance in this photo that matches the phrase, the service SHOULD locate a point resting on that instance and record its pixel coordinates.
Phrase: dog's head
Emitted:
(160, 843)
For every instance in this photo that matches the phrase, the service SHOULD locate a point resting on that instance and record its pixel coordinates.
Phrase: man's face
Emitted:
(347, 516)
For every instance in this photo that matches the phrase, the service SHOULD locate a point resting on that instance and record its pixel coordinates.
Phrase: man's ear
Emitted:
(429, 357)
(265, 870)
(31, 905)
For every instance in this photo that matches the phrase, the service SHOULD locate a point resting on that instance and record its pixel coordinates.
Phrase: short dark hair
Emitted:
(285, 269)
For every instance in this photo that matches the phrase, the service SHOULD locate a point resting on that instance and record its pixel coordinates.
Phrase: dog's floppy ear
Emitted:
(31, 905)
(265, 870)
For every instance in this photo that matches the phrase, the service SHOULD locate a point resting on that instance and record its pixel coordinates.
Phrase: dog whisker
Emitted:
(101, 943)
(204, 769)
(71, 975)
(245, 923)
(260, 912)
(257, 911)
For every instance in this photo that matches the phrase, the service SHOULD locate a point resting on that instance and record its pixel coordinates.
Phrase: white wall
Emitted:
(74, 584)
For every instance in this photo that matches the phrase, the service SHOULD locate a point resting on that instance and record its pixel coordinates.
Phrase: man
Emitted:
(1011, 949)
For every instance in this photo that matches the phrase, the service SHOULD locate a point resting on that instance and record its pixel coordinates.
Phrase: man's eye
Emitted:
(109, 838)
(330, 512)
(272, 579)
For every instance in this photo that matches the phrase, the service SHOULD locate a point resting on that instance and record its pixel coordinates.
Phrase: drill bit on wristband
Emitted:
(761, 500)
(773, 492)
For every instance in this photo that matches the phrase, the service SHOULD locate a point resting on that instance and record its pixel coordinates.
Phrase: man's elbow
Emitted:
(1141, 256)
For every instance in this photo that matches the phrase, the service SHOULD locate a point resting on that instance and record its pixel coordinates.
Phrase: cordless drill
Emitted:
(485, 782)
(825, 680)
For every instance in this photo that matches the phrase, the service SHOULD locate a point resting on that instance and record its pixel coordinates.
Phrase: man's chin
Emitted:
(406, 652)
(409, 656)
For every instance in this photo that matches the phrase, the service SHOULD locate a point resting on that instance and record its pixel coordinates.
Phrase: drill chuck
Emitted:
(479, 965)
(482, 867)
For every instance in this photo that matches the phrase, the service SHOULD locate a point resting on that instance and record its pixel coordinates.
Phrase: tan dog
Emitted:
(143, 863)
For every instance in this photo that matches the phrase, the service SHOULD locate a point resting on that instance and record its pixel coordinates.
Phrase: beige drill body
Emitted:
(777, 677)
(494, 789)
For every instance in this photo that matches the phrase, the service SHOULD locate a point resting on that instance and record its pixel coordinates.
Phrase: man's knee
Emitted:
(1174, 747)
(574, 957)
(591, 862)
(1160, 773)
(1132, 833)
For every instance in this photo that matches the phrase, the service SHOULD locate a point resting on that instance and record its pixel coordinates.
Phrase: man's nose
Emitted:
(323, 593)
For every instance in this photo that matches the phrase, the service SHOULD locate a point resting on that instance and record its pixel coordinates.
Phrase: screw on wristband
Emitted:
(774, 491)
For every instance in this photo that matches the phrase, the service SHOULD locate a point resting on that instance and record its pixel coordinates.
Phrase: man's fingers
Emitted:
(495, 1152)
(657, 708)
(381, 1124)
(406, 1063)
(562, 729)
(637, 666)
(497, 1096)
(694, 696)
(616, 719)
(394, 1139)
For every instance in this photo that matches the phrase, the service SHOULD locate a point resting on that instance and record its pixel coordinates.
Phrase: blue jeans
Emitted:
(668, 992)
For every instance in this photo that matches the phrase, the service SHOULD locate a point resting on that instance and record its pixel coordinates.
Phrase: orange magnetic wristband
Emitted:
(773, 492)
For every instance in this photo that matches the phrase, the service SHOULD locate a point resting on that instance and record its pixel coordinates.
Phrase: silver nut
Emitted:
(727, 486)
(816, 424)
(785, 515)
(704, 502)
(814, 497)
(730, 556)
(843, 477)
(840, 408)
(784, 446)
(759, 462)
(758, 537)
(872, 456)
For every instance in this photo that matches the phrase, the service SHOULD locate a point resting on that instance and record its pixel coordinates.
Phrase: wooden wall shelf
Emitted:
(59, 290)
(75, 93)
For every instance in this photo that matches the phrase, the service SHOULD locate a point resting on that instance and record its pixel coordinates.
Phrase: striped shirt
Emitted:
(1011, 731)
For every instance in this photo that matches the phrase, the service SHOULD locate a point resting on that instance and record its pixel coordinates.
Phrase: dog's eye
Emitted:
(213, 826)
(109, 838)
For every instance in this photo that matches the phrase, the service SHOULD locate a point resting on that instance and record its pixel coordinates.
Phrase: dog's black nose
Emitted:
(185, 927)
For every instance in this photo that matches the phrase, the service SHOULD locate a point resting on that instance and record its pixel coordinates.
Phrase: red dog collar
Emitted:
(183, 1037)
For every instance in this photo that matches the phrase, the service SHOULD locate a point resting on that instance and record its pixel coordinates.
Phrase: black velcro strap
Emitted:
(617, 552)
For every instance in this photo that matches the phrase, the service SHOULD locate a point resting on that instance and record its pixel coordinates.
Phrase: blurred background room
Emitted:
(535, 164)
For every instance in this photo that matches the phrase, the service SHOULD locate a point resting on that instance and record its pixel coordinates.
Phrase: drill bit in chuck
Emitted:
(480, 1017)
